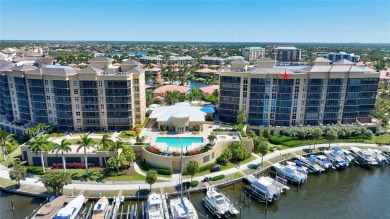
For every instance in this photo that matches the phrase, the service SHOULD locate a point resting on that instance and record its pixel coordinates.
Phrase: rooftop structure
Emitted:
(334, 57)
(163, 89)
(208, 90)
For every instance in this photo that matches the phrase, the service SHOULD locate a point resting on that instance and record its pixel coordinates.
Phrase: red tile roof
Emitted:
(209, 89)
(163, 89)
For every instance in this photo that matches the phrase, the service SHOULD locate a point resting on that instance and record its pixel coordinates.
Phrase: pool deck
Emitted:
(151, 135)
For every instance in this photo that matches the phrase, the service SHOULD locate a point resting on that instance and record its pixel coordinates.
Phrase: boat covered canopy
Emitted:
(298, 163)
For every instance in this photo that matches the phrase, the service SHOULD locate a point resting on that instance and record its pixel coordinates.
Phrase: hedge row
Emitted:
(189, 184)
(73, 165)
(161, 171)
(219, 177)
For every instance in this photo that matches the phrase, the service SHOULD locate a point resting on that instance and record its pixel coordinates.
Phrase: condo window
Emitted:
(78, 114)
(100, 83)
(136, 109)
(51, 82)
(46, 82)
(47, 90)
(76, 91)
(76, 99)
(101, 91)
(49, 112)
(77, 106)
(49, 105)
(101, 99)
(47, 97)
(136, 81)
(136, 95)
(101, 106)
(136, 102)
(75, 84)
(78, 120)
(103, 113)
(103, 121)
(136, 88)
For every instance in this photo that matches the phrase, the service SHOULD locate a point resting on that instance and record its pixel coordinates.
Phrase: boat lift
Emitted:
(279, 183)
(116, 204)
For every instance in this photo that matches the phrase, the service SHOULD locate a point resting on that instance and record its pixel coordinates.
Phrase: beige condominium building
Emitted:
(321, 93)
(97, 98)
(252, 54)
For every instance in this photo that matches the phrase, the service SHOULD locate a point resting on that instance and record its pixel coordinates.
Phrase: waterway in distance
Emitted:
(352, 193)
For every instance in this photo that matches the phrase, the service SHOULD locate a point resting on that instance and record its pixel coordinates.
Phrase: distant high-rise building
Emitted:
(252, 54)
(334, 57)
(286, 54)
(283, 96)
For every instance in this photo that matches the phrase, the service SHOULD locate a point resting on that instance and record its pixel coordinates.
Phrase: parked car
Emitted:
(206, 179)
(215, 168)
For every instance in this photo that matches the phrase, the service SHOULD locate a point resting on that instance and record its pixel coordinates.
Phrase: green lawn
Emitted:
(15, 154)
(382, 139)
(224, 167)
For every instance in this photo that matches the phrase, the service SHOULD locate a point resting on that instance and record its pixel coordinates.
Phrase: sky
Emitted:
(342, 21)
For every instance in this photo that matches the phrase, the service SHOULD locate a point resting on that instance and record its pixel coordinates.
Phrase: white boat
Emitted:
(378, 155)
(72, 209)
(345, 154)
(336, 159)
(290, 172)
(263, 188)
(49, 210)
(101, 209)
(364, 156)
(309, 163)
(182, 208)
(154, 207)
(322, 161)
(218, 204)
(298, 164)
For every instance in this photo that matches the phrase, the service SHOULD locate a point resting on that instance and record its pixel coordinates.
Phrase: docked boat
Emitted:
(299, 165)
(49, 210)
(290, 172)
(378, 155)
(218, 204)
(364, 157)
(182, 208)
(345, 154)
(264, 189)
(154, 207)
(311, 166)
(101, 209)
(336, 159)
(322, 161)
(72, 209)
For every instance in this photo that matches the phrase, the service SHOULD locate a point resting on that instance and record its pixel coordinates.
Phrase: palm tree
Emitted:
(195, 94)
(86, 143)
(106, 144)
(172, 97)
(119, 159)
(149, 98)
(63, 147)
(39, 144)
(5, 138)
(33, 131)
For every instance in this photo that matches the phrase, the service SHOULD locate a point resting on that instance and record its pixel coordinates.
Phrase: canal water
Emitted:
(352, 193)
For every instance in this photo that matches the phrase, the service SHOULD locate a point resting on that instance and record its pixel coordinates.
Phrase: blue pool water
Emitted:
(175, 142)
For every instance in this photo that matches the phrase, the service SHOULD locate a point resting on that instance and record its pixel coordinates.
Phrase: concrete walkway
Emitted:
(135, 185)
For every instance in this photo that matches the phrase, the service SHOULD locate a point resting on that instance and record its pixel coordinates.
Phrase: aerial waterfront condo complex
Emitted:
(282, 96)
(97, 98)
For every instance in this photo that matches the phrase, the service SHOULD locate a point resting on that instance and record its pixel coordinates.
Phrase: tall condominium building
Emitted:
(334, 57)
(286, 54)
(252, 54)
(318, 94)
(97, 98)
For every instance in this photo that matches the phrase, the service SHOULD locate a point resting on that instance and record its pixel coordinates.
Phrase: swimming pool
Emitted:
(176, 142)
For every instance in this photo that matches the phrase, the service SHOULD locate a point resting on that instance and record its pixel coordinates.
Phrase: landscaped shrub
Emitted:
(175, 154)
(192, 153)
(146, 167)
(194, 183)
(219, 177)
(74, 165)
(129, 133)
(11, 147)
(163, 128)
(153, 150)
(204, 149)
(224, 130)
(206, 167)
(196, 128)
